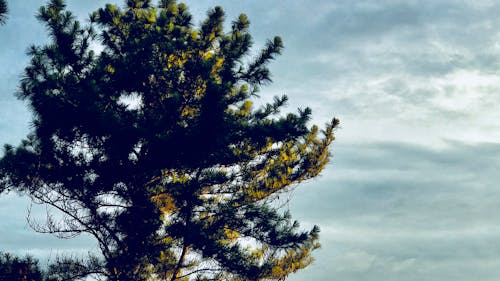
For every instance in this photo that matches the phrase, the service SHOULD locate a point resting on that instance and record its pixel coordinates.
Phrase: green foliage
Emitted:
(153, 146)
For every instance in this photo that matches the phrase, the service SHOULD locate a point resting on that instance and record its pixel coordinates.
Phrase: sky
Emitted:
(412, 190)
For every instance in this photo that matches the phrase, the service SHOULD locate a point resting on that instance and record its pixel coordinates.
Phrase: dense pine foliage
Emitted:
(14, 268)
(145, 137)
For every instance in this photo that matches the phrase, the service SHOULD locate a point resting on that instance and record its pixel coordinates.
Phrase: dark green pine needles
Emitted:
(153, 147)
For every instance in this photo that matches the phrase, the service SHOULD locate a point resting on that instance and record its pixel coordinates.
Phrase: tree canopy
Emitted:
(145, 136)
(14, 268)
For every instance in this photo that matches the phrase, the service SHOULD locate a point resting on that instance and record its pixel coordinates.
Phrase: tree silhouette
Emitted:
(13, 268)
(3, 11)
(69, 268)
(154, 148)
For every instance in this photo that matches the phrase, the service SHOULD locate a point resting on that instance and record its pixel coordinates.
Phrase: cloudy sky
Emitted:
(412, 190)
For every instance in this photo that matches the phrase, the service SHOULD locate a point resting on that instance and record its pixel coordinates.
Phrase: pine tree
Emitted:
(13, 268)
(154, 148)
(3, 11)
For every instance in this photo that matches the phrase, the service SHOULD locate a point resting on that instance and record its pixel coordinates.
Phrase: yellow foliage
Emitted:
(187, 111)
(245, 108)
(230, 234)
(194, 35)
(165, 203)
(110, 69)
(218, 63)
(206, 55)
(152, 16)
(258, 254)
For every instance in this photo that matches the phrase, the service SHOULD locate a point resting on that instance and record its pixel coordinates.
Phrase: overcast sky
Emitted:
(412, 191)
